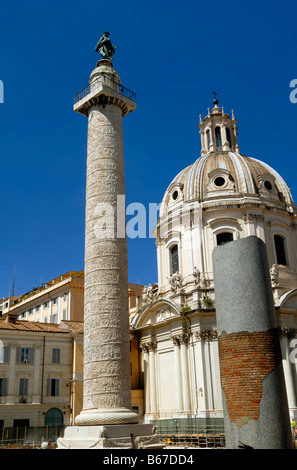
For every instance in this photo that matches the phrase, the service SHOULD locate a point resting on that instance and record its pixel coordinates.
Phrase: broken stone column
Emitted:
(254, 394)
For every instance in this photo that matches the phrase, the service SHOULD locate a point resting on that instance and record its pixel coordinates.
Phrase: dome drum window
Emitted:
(219, 180)
(267, 185)
(224, 237)
(174, 194)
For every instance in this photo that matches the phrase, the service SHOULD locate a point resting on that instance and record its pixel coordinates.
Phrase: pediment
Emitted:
(288, 300)
(156, 313)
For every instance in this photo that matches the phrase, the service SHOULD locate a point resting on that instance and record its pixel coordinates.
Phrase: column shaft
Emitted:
(107, 382)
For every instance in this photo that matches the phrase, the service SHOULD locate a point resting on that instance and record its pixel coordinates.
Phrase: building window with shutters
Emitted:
(23, 387)
(3, 387)
(25, 355)
(56, 356)
(53, 387)
(4, 353)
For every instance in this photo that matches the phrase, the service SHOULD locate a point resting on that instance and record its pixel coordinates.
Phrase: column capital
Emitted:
(148, 346)
(287, 332)
(206, 335)
(181, 338)
(175, 340)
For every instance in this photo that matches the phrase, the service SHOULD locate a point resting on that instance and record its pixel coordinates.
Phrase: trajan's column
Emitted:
(107, 419)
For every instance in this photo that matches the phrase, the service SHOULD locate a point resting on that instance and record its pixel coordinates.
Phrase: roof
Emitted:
(24, 325)
(74, 326)
(245, 172)
(63, 277)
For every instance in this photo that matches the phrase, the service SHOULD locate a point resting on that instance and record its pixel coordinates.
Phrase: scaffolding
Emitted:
(190, 433)
(30, 437)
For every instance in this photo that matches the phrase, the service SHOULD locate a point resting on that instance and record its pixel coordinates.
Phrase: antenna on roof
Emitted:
(13, 282)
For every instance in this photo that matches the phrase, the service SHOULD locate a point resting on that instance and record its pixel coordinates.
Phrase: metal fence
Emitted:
(30, 437)
(109, 82)
(191, 432)
(187, 432)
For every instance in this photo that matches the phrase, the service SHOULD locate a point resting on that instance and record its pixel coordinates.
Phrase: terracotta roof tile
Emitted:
(24, 325)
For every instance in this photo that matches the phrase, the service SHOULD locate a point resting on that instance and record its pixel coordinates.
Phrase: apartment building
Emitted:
(41, 354)
(36, 367)
(58, 300)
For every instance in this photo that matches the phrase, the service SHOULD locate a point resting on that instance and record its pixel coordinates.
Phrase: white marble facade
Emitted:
(222, 196)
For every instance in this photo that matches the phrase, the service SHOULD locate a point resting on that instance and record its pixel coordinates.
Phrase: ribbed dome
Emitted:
(242, 176)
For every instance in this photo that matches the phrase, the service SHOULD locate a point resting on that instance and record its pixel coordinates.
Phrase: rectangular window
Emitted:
(64, 314)
(21, 423)
(56, 355)
(25, 355)
(4, 353)
(174, 259)
(3, 387)
(23, 387)
(45, 305)
(53, 387)
(280, 250)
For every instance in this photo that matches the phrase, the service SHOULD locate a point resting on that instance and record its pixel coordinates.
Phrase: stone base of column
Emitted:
(123, 436)
(102, 417)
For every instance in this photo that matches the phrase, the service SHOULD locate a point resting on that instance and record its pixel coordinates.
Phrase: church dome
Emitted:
(223, 196)
(220, 174)
(223, 172)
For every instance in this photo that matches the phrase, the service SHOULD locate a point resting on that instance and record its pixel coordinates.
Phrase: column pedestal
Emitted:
(124, 436)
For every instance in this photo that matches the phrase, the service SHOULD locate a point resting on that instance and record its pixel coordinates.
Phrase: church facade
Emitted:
(222, 196)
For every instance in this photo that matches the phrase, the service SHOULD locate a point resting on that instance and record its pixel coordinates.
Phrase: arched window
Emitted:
(53, 417)
(208, 138)
(228, 135)
(218, 138)
(174, 261)
(223, 238)
(279, 243)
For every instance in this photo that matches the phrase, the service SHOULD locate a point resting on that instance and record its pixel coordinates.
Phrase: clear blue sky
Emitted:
(173, 54)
